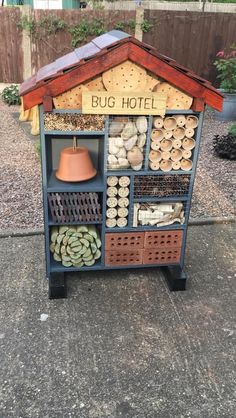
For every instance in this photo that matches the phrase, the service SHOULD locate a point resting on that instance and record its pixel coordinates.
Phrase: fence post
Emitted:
(26, 44)
(138, 23)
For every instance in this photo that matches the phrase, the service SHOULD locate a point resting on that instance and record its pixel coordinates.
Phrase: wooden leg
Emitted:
(175, 277)
(57, 286)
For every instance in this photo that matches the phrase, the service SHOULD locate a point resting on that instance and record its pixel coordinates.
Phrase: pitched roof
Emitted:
(105, 52)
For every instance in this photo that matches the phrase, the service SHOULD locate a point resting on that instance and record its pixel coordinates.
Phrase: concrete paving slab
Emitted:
(121, 345)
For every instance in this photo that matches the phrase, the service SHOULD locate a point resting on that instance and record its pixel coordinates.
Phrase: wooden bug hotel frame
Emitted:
(120, 196)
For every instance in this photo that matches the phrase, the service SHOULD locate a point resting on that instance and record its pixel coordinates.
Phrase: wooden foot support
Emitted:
(175, 277)
(57, 286)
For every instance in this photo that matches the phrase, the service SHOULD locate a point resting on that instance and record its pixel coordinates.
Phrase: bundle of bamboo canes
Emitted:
(75, 245)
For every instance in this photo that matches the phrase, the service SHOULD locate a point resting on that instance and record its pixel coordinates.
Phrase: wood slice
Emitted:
(123, 202)
(111, 213)
(112, 202)
(111, 223)
(112, 181)
(112, 191)
(71, 99)
(122, 212)
(152, 82)
(126, 76)
(176, 99)
(124, 181)
(121, 222)
(123, 192)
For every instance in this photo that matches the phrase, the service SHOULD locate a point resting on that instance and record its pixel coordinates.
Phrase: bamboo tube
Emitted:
(112, 202)
(166, 145)
(165, 165)
(170, 123)
(123, 192)
(186, 165)
(112, 191)
(191, 121)
(112, 180)
(154, 165)
(176, 165)
(111, 222)
(124, 181)
(111, 213)
(187, 154)
(157, 134)
(180, 119)
(158, 122)
(168, 134)
(121, 222)
(189, 133)
(179, 133)
(188, 143)
(123, 202)
(165, 155)
(122, 212)
(155, 145)
(176, 154)
(176, 143)
(155, 156)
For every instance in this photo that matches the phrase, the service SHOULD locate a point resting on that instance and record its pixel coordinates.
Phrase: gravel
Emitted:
(20, 188)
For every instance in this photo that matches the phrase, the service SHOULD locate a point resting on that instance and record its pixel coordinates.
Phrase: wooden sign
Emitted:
(119, 103)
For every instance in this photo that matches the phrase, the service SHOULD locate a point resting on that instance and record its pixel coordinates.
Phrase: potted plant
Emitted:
(226, 69)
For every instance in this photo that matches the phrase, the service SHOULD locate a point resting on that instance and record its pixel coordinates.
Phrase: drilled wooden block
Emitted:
(163, 239)
(125, 240)
(161, 255)
(123, 257)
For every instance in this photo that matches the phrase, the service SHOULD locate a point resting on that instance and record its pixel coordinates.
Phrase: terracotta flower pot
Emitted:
(75, 165)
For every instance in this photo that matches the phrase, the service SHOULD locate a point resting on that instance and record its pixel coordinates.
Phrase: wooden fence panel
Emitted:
(191, 38)
(11, 53)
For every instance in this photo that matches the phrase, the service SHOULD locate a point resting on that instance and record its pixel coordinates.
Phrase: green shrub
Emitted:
(232, 129)
(10, 95)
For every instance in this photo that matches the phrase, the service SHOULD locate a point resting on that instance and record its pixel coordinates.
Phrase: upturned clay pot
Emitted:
(170, 123)
(75, 165)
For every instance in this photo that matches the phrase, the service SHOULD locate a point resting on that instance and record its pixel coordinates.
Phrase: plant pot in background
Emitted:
(228, 112)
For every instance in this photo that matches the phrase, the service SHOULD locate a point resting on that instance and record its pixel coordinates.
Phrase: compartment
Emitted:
(161, 186)
(75, 207)
(158, 214)
(73, 122)
(126, 144)
(75, 246)
(172, 142)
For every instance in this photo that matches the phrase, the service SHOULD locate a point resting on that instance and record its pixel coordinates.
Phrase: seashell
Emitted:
(121, 153)
(135, 156)
(137, 167)
(141, 123)
(130, 143)
(112, 159)
(129, 130)
(123, 162)
(118, 142)
(115, 128)
(141, 140)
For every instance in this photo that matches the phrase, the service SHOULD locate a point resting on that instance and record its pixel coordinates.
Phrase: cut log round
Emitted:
(112, 191)
(111, 213)
(122, 212)
(122, 222)
(112, 181)
(111, 223)
(112, 202)
(123, 202)
(123, 192)
(124, 181)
